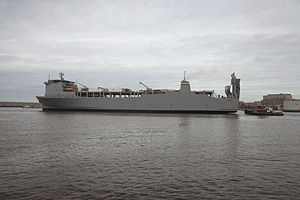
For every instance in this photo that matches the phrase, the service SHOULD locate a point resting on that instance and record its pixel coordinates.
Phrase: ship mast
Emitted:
(61, 75)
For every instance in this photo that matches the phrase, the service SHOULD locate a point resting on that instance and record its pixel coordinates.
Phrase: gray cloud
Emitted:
(119, 43)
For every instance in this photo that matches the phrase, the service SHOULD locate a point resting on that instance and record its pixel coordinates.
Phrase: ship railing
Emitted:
(108, 95)
(104, 95)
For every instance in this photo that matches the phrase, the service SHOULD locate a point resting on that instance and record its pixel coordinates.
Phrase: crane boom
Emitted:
(82, 85)
(84, 89)
(147, 88)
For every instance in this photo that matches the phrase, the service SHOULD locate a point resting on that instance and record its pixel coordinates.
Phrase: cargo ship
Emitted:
(63, 94)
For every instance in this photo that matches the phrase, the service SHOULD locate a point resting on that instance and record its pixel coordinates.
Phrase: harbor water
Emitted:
(94, 155)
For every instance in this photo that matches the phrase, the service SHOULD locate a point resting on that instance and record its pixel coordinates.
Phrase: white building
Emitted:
(292, 105)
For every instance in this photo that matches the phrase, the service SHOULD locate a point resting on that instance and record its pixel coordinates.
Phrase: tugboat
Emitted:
(263, 112)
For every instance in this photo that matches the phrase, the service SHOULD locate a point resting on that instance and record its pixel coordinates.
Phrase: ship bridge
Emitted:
(185, 85)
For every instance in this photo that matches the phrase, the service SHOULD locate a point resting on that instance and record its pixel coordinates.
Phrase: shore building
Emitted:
(292, 105)
(275, 100)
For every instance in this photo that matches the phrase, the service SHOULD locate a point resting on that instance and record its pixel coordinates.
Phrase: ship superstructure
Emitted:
(62, 94)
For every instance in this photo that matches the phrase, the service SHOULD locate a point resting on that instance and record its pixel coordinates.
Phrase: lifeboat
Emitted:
(69, 89)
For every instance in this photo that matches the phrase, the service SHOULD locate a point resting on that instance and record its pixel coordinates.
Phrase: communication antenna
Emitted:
(184, 75)
(49, 77)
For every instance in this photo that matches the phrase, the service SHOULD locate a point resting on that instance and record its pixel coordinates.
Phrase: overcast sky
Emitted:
(115, 44)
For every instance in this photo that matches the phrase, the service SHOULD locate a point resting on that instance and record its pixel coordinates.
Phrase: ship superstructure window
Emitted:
(112, 94)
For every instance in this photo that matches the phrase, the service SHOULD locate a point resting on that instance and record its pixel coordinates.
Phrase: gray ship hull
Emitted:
(173, 102)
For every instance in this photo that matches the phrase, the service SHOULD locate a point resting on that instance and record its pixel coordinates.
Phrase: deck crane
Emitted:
(148, 89)
(85, 88)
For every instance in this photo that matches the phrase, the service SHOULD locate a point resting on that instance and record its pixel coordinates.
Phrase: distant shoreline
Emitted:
(20, 104)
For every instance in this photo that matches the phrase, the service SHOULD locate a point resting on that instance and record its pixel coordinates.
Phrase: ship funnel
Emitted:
(235, 86)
